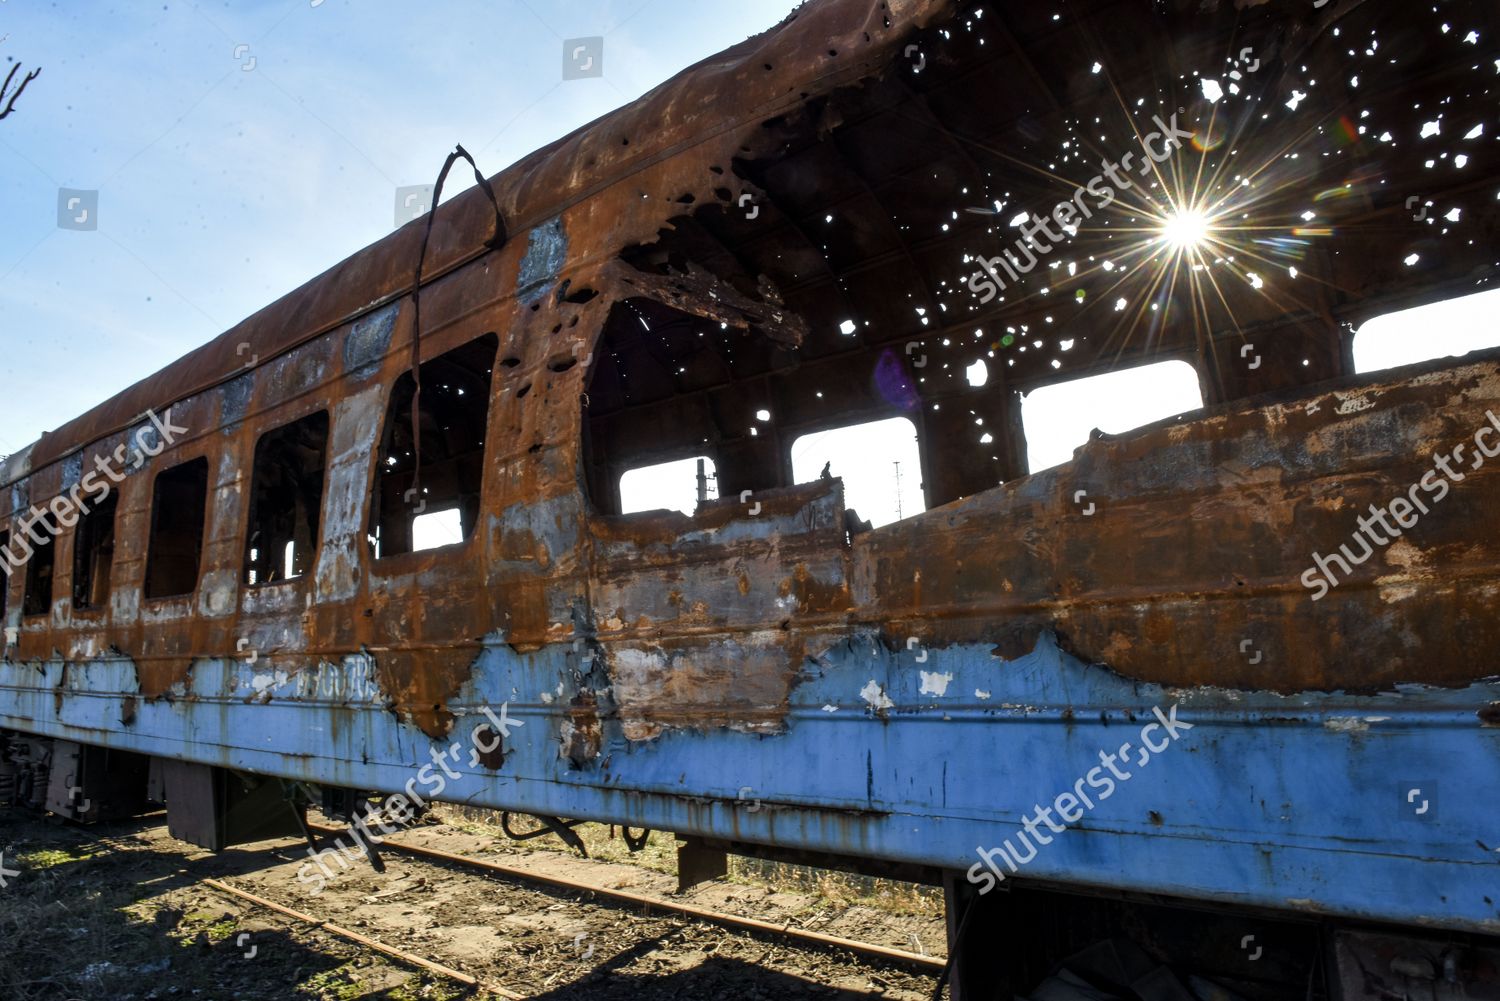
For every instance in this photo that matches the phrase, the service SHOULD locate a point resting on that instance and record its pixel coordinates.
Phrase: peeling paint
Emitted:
(873, 694)
(935, 683)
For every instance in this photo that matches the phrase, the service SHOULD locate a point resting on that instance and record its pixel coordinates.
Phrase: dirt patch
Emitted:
(120, 912)
(879, 911)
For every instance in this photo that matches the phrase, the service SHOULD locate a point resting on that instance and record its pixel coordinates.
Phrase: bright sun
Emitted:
(1185, 229)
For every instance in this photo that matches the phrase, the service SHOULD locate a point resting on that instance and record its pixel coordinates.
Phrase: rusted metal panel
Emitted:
(694, 616)
(1161, 551)
(667, 663)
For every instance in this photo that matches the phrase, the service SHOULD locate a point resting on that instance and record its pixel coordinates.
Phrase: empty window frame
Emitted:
(39, 573)
(9, 571)
(286, 498)
(455, 415)
(1437, 330)
(880, 463)
(435, 530)
(1058, 418)
(679, 485)
(94, 553)
(179, 501)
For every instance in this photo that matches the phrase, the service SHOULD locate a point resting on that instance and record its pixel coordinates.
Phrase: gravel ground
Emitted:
(121, 912)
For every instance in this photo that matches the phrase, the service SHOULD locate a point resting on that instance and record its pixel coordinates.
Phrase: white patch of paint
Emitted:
(875, 696)
(263, 682)
(830, 709)
(1352, 403)
(980, 693)
(934, 683)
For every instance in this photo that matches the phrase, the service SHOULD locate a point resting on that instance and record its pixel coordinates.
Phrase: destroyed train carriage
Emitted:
(802, 233)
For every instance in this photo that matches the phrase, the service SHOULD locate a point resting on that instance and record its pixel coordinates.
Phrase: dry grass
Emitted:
(58, 922)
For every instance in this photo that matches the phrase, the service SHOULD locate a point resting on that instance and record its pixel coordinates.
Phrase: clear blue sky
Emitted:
(221, 188)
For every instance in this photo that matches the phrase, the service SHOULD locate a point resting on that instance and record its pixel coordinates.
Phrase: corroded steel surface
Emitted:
(1201, 529)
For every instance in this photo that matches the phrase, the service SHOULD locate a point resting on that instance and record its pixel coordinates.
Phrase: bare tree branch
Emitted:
(10, 105)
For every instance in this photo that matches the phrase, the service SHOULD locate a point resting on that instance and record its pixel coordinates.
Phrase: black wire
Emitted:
(495, 242)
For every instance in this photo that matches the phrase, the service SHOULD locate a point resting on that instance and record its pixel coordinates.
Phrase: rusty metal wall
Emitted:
(910, 692)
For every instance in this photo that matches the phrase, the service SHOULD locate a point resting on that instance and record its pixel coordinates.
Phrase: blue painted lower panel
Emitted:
(1383, 807)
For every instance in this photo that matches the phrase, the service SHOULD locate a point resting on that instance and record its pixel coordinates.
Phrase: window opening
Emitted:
(678, 485)
(5, 584)
(39, 572)
(880, 463)
(455, 415)
(178, 503)
(286, 498)
(1424, 333)
(1058, 418)
(94, 554)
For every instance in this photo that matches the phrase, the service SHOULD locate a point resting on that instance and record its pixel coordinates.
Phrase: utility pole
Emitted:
(899, 515)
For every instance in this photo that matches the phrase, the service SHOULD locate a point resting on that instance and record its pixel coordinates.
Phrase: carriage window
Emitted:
(94, 554)
(178, 503)
(454, 412)
(669, 486)
(1058, 418)
(38, 600)
(879, 462)
(286, 496)
(5, 584)
(1437, 330)
(436, 530)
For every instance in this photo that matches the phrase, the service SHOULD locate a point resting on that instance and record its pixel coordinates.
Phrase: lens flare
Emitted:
(1185, 230)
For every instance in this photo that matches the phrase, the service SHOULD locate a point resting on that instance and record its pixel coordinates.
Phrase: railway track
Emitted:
(918, 961)
(551, 883)
(487, 929)
(365, 941)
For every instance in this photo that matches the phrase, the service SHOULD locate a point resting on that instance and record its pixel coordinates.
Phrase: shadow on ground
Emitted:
(95, 913)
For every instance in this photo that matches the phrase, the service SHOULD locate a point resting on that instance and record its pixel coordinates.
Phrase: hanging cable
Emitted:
(413, 495)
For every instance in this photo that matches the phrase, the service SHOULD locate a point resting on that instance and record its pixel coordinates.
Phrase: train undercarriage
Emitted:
(1032, 940)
